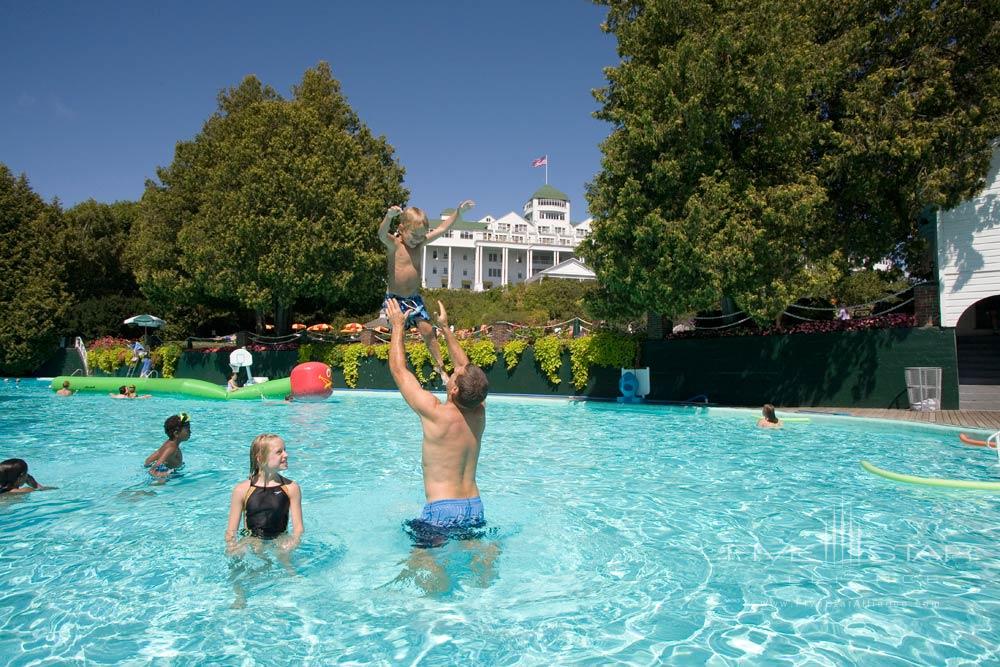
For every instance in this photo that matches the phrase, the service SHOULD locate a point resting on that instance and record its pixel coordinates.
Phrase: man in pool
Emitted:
(453, 432)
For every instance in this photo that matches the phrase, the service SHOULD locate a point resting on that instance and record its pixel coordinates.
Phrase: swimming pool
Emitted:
(639, 534)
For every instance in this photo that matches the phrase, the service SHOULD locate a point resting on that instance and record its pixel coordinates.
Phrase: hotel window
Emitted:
(547, 240)
(552, 202)
(465, 258)
(465, 235)
(520, 275)
(544, 229)
(551, 215)
(521, 229)
(581, 233)
(492, 257)
(444, 282)
(518, 239)
(493, 273)
(434, 254)
(444, 270)
(434, 270)
(465, 272)
(503, 227)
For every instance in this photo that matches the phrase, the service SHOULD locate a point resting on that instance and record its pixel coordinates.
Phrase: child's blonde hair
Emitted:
(259, 450)
(412, 218)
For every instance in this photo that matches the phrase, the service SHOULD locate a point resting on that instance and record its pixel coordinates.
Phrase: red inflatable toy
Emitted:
(311, 381)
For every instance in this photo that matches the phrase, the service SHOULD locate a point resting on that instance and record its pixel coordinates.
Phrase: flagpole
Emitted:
(546, 170)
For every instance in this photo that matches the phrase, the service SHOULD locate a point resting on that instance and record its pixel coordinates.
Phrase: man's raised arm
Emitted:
(419, 399)
(455, 351)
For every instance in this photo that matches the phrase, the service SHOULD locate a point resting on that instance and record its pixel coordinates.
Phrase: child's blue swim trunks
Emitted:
(454, 518)
(412, 306)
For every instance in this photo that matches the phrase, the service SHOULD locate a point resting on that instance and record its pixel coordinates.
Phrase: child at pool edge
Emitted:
(404, 258)
(265, 512)
(14, 475)
(768, 418)
(168, 457)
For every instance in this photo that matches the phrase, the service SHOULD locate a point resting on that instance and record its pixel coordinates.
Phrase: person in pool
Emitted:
(65, 391)
(768, 418)
(453, 432)
(168, 458)
(266, 499)
(122, 392)
(130, 393)
(14, 478)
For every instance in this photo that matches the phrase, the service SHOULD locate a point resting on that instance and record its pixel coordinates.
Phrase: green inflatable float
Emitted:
(182, 386)
(980, 485)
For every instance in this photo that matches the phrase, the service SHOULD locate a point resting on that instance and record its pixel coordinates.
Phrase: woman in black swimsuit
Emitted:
(266, 499)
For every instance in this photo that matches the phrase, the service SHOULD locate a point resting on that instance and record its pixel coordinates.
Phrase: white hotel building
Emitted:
(505, 251)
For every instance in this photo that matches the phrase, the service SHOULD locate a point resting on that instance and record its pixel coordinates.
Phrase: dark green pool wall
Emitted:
(214, 366)
(526, 378)
(840, 369)
(850, 368)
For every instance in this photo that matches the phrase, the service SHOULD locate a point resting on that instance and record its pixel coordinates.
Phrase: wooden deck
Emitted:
(979, 419)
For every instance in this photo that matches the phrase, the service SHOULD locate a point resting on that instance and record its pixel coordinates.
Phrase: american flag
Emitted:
(540, 161)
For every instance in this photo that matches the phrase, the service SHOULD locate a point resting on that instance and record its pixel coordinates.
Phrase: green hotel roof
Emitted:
(549, 192)
(460, 224)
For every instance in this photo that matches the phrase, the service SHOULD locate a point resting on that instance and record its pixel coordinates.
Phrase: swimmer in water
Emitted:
(14, 478)
(768, 418)
(168, 458)
(266, 499)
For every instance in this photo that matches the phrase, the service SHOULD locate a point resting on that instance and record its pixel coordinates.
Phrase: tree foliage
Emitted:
(760, 149)
(275, 201)
(88, 241)
(32, 298)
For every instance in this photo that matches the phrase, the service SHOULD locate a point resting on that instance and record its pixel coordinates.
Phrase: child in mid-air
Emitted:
(405, 254)
(168, 457)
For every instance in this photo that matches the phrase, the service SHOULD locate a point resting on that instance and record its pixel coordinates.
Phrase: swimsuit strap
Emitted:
(246, 498)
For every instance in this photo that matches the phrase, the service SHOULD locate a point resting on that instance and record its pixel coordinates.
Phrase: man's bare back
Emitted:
(452, 438)
(452, 431)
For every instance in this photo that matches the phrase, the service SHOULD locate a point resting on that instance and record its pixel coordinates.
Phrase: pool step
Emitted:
(979, 396)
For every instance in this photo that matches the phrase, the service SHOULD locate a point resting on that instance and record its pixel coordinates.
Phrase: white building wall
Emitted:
(450, 260)
(968, 240)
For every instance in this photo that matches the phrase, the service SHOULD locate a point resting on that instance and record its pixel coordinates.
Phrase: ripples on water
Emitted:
(632, 534)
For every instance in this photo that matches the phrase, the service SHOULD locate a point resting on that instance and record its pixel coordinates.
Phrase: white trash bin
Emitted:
(923, 388)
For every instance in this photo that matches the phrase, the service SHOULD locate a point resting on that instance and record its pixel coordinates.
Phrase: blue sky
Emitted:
(97, 93)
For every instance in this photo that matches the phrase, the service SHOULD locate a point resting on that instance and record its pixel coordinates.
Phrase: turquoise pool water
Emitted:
(623, 534)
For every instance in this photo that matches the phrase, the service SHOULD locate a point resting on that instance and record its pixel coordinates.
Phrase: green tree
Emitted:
(275, 202)
(760, 149)
(89, 244)
(32, 299)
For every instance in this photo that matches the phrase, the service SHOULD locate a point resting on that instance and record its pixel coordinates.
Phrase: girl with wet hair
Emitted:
(266, 499)
(14, 476)
(768, 418)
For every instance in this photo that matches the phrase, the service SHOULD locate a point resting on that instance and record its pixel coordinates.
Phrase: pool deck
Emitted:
(978, 419)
